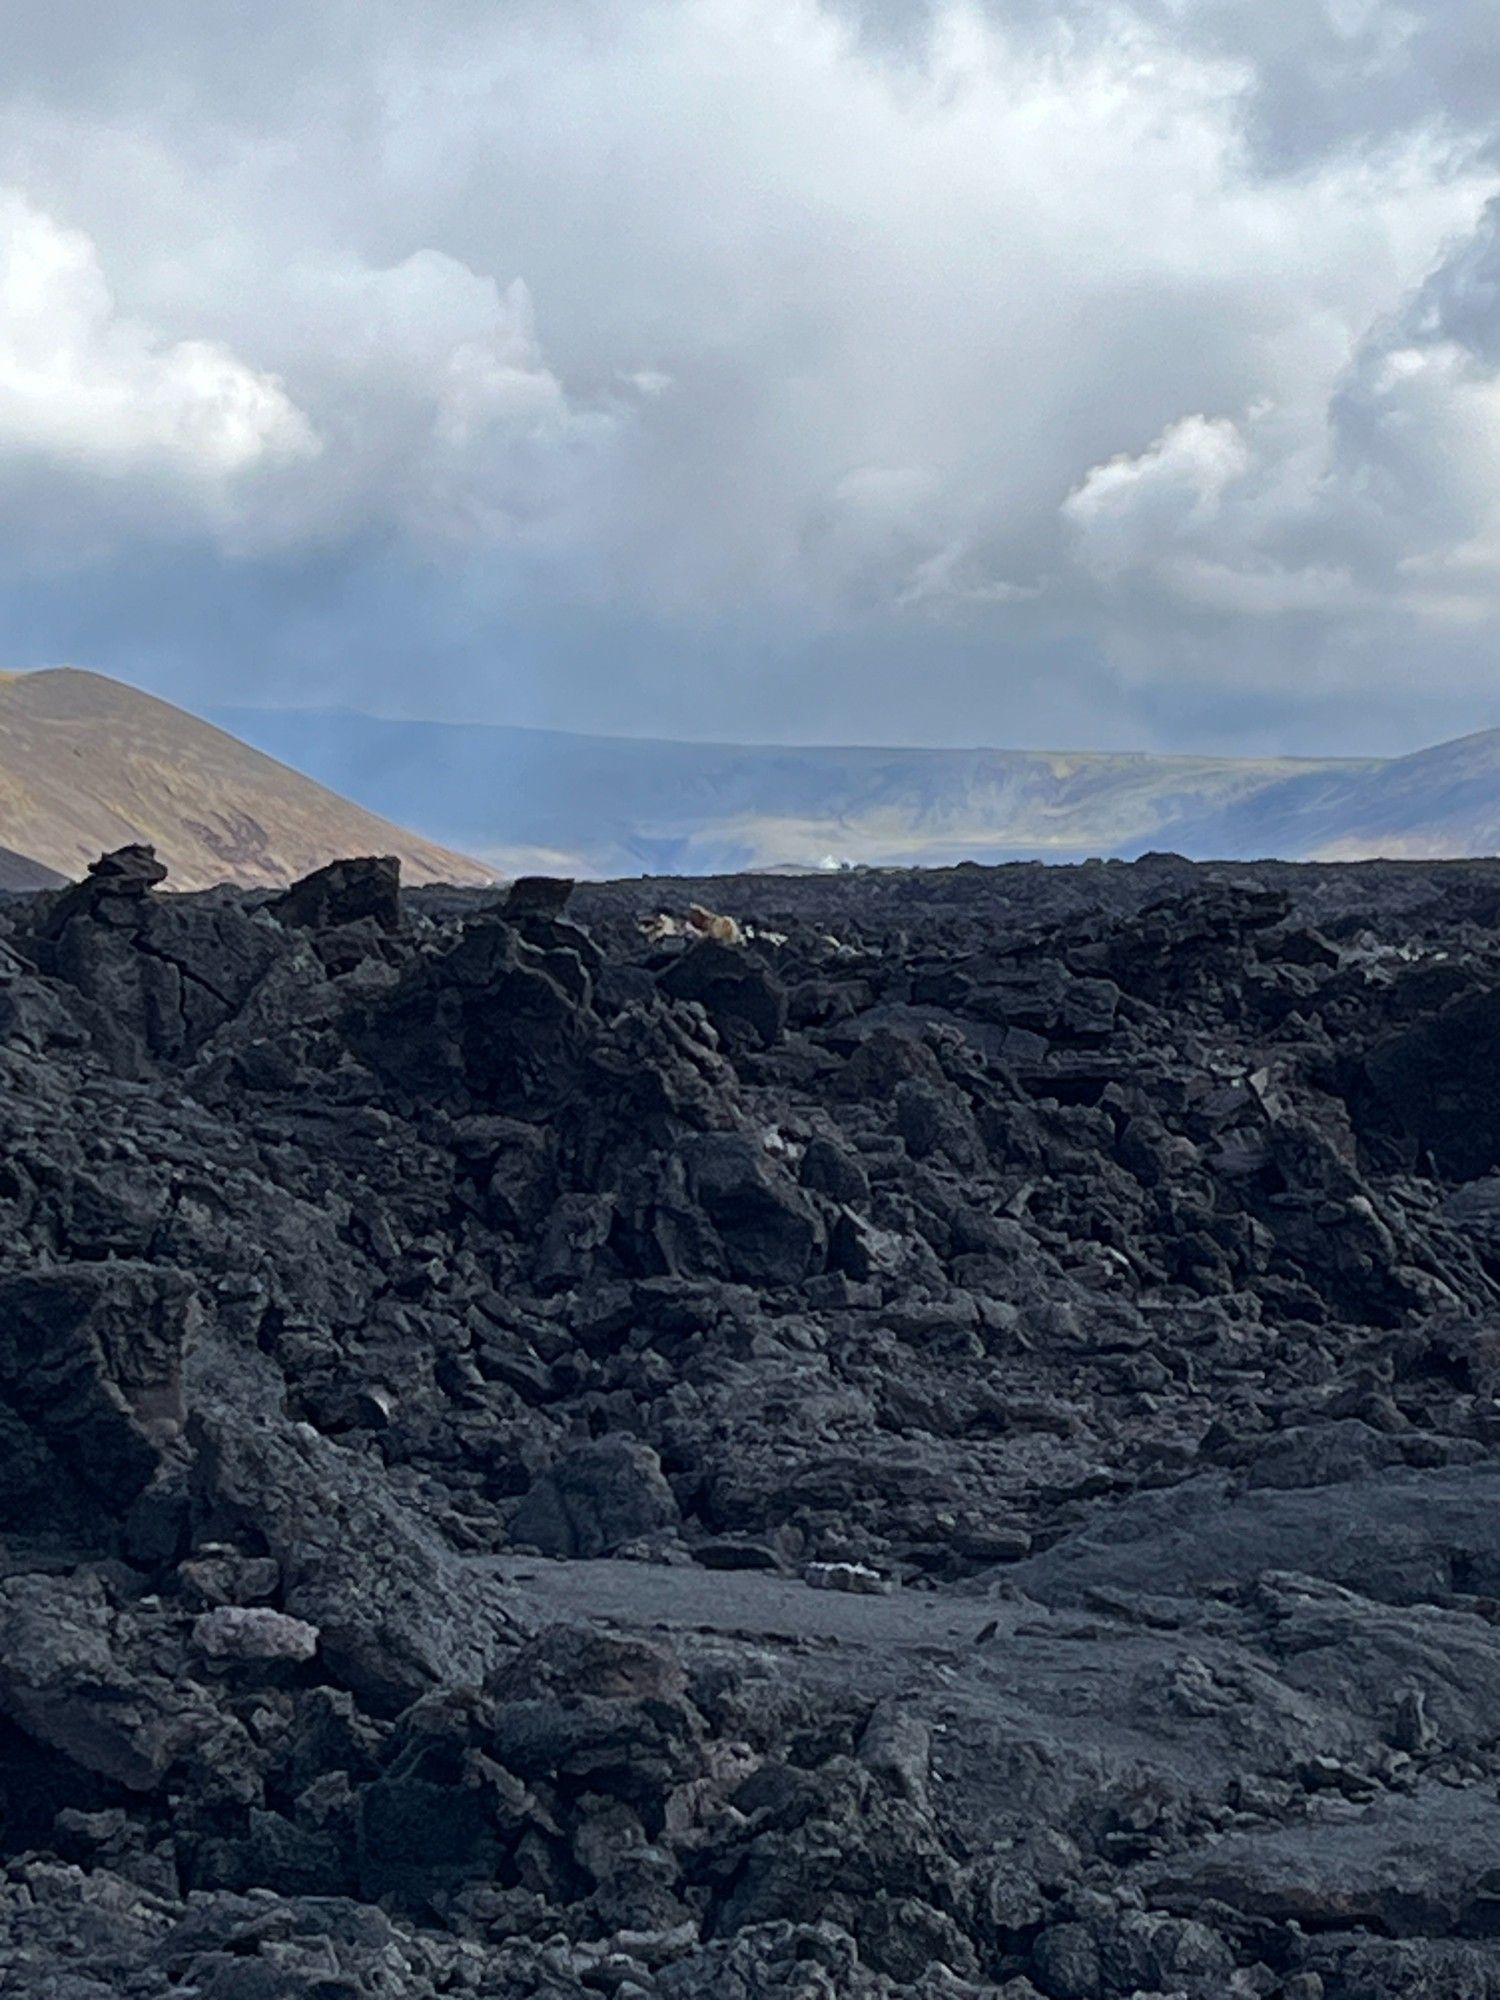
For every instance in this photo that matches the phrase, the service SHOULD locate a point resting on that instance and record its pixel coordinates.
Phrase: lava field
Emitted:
(895, 1434)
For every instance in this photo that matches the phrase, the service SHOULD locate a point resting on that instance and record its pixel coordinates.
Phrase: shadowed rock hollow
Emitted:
(941, 1443)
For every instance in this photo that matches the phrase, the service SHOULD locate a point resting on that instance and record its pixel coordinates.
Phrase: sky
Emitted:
(1096, 374)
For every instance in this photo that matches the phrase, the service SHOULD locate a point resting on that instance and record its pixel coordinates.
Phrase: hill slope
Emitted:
(19, 871)
(612, 805)
(1434, 804)
(88, 764)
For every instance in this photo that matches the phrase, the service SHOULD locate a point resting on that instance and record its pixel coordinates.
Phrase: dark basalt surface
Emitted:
(947, 1447)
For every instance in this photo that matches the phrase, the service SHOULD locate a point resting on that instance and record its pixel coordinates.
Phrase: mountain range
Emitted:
(527, 798)
(260, 796)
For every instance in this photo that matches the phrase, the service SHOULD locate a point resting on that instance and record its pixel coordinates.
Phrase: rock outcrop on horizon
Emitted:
(88, 764)
(935, 1441)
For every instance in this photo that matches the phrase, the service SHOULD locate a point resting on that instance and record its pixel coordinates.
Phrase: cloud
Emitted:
(1068, 350)
(442, 418)
(423, 403)
(1143, 509)
(85, 387)
(1389, 491)
(1199, 518)
(1417, 438)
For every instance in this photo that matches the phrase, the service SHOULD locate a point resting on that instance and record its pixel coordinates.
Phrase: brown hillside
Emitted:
(88, 764)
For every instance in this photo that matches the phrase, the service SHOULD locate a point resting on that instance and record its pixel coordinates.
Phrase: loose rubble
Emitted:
(937, 1436)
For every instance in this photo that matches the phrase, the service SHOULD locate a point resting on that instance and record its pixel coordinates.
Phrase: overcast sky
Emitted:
(1069, 374)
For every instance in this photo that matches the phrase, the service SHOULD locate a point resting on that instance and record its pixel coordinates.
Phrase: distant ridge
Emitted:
(598, 805)
(614, 805)
(88, 764)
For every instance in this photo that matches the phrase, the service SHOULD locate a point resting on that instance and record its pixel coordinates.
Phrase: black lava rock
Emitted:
(939, 1439)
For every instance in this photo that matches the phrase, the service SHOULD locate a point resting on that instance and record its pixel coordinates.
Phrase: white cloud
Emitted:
(441, 414)
(1198, 517)
(1418, 456)
(1382, 498)
(422, 399)
(1133, 510)
(82, 384)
